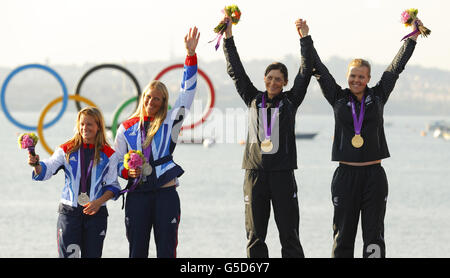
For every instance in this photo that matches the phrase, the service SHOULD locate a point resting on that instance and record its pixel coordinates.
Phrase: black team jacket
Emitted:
(375, 145)
(284, 153)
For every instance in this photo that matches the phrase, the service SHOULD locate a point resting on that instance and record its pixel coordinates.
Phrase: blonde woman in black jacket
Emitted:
(359, 184)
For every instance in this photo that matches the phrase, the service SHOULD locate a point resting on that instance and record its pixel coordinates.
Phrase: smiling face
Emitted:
(358, 77)
(274, 81)
(88, 128)
(153, 100)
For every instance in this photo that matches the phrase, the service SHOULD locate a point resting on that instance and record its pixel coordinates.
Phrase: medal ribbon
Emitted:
(357, 122)
(147, 151)
(84, 175)
(412, 33)
(219, 35)
(267, 128)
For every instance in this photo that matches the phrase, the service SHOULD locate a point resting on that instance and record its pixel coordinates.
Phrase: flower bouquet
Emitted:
(234, 13)
(134, 160)
(28, 141)
(408, 18)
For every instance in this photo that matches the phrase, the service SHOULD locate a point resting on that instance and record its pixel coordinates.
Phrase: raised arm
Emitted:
(330, 89)
(189, 81)
(303, 77)
(386, 85)
(235, 68)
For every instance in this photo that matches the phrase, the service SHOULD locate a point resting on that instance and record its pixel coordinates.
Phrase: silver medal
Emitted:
(146, 169)
(83, 199)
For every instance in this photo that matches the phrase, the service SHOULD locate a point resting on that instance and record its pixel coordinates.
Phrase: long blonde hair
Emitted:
(100, 138)
(160, 115)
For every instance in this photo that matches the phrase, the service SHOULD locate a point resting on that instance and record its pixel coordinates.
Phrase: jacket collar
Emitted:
(277, 98)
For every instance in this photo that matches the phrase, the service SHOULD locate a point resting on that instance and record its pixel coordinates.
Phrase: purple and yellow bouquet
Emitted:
(133, 160)
(234, 13)
(28, 141)
(408, 18)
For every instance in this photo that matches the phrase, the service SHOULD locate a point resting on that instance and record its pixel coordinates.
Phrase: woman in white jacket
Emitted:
(153, 129)
(90, 167)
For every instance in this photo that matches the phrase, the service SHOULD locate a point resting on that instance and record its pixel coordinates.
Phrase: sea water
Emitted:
(212, 203)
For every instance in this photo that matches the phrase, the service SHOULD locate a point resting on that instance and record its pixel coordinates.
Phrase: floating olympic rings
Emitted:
(77, 98)
(37, 66)
(102, 66)
(40, 125)
(207, 111)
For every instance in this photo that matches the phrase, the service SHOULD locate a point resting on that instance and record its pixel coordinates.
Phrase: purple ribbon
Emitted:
(132, 187)
(218, 41)
(84, 176)
(357, 122)
(147, 151)
(267, 128)
(31, 150)
(412, 33)
(33, 153)
(219, 35)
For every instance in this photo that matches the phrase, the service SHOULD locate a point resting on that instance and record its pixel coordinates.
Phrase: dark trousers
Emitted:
(158, 209)
(81, 235)
(355, 190)
(260, 188)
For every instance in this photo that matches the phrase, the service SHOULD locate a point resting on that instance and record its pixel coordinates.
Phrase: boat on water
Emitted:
(439, 129)
(305, 135)
(207, 142)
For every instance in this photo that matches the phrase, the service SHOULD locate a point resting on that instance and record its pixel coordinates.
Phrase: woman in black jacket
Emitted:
(359, 183)
(270, 154)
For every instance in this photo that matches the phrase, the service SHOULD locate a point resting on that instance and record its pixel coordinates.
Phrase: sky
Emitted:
(98, 31)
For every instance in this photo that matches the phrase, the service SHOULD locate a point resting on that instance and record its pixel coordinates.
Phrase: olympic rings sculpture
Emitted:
(211, 99)
(102, 66)
(37, 66)
(78, 98)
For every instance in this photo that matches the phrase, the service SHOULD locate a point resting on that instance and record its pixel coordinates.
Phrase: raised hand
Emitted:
(33, 160)
(302, 27)
(191, 40)
(228, 30)
(135, 173)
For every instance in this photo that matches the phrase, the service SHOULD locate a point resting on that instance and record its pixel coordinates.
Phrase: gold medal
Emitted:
(83, 199)
(266, 145)
(357, 141)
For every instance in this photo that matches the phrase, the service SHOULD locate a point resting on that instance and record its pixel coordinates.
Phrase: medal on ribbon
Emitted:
(83, 198)
(357, 140)
(146, 167)
(266, 144)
